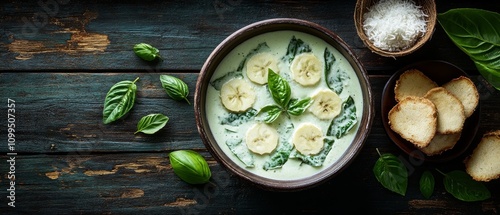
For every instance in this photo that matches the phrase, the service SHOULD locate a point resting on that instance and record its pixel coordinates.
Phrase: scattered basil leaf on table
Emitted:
(146, 51)
(427, 183)
(391, 173)
(477, 33)
(175, 87)
(119, 100)
(151, 123)
(463, 187)
(190, 166)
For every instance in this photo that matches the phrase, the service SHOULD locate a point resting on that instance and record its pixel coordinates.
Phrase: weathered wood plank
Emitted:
(100, 35)
(128, 183)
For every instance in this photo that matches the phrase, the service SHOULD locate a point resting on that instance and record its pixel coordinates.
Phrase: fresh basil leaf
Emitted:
(279, 88)
(190, 166)
(463, 187)
(146, 51)
(477, 33)
(391, 173)
(297, 107)
(151, 123)
(175, 87)
(427, 183)
(270, 113)
(278, 158)
(119, 100)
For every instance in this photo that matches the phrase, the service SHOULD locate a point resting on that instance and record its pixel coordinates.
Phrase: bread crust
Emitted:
(484, 162)
(412, 82)
(414, 119)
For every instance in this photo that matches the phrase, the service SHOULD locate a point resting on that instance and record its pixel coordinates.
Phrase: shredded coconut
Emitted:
(394, 25)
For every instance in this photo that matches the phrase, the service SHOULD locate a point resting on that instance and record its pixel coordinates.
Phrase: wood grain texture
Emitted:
(100, 34)
(59, 58)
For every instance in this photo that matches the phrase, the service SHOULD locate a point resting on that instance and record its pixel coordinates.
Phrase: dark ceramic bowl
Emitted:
(267, 26)
(440, 72)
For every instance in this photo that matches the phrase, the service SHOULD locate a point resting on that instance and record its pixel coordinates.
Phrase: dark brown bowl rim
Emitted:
(471, 124)
(265, 26)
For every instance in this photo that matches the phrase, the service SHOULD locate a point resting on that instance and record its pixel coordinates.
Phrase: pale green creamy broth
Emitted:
(229, 129)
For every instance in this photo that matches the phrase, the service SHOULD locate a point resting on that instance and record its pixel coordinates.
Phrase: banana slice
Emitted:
(261, 138)
(237, 95)
(306, 69)
(308, 139)
(326, 104)
(259, 65)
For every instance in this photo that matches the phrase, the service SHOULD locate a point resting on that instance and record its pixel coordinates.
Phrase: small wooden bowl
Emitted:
(363, 6)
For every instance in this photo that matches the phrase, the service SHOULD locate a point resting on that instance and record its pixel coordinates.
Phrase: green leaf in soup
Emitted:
(190, 166)
(295, 47)
(175, 87)
(279, 88)
(151, 123)
(279, 158)
(318, 159)
(146, 51)
(119, 100)
(269, 113)
(463, 187)
(237, 147)
(345, 121)
(391, 173)
(235, 119)
(297, 106)
(477, 33)
(427, 183)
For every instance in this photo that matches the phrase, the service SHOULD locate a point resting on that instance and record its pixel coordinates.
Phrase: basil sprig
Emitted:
(190, 166)
(281, 93)
(175, 87)
(463, 187)
(146, 52)
(151, 123)
(119, 100)
(391, 173)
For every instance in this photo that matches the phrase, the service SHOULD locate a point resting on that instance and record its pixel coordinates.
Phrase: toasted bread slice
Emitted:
(441, 143)
(412, 83)
(414, 119)
(484, 162)
(465, 90)
(450, 111)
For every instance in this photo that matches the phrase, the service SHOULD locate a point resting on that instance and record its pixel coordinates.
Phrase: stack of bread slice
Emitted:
(431, 116)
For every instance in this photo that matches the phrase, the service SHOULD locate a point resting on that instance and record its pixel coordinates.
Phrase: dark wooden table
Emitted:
(59, 58)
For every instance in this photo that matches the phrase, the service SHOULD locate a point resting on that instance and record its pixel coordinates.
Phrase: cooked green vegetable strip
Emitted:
(334, 80)
(315, 160)
(217, 83)
(345, 121)
(260, 48)
(235, 119)
(280, 157)
(295, 47)
(240, 151)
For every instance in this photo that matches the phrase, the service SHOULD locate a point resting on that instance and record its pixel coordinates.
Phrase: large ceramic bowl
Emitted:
(285, 168)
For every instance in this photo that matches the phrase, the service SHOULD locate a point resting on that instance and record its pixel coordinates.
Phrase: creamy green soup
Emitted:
(285, 162)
